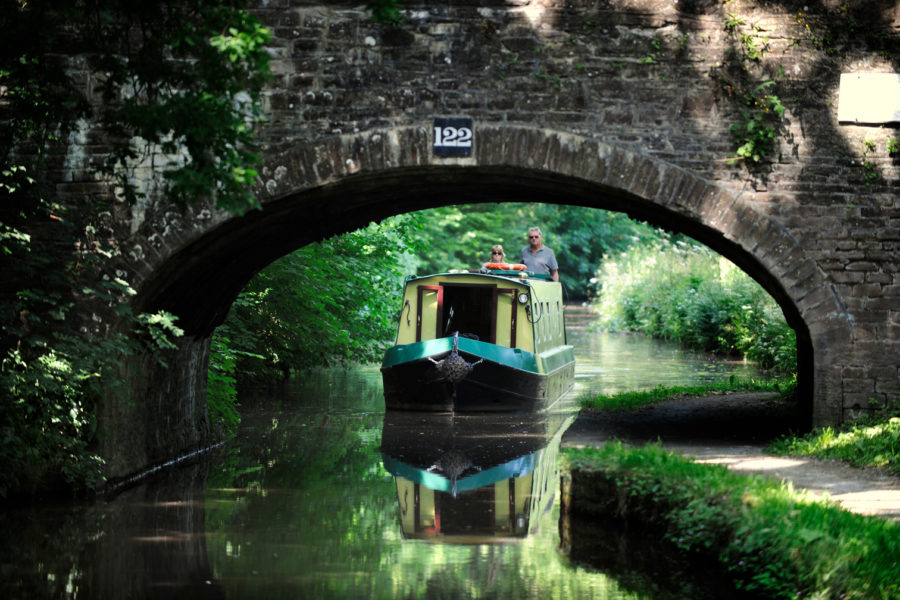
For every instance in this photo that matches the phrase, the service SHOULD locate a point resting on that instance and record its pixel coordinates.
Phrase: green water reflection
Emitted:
(304, 504)
(301, 505)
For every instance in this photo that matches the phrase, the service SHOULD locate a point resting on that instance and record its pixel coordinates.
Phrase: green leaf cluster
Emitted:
(757, 133)
(386, 12)
(221, 385)
(50, 383)
(183, 80)
(676, 290)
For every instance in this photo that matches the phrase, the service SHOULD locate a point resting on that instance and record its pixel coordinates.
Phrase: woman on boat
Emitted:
(497, 256)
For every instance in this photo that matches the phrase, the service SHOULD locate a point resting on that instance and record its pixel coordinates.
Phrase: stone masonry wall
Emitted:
(652, 88)
(665, 79)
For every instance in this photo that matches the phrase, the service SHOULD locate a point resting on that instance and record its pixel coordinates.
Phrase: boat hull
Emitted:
(505, 379)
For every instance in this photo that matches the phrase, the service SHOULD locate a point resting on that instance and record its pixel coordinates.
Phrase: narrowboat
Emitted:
(458, 483)
(479, 341)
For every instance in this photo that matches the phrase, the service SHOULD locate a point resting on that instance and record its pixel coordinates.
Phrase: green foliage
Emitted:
(773, 541)
(679, 291)
(159, 327)
(870, 441)
(386, 12)
(756, 132)
(651, 57)
(459, 237)
(732, 22)
(633, 399)
(177, 79)
(870, 170)
(332, 302)
(46, 423)
(51, 374)
(581, 237)
(754, 45)
(893, 145)
(756, 135)
(51, 381)
(181, 79)
(221, 386)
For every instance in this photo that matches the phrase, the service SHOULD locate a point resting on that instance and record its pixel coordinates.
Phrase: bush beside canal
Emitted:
(675, 289)
(770, 540)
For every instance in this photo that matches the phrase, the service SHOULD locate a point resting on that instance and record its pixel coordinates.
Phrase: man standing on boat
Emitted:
(538, 257)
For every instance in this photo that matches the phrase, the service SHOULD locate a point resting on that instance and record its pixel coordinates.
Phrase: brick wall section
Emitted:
(621, 104)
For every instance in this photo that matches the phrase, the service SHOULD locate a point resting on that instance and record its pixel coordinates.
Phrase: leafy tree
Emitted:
(332, 302)
(176, 84)
(179, 78)
(460, 237)
(581, 237)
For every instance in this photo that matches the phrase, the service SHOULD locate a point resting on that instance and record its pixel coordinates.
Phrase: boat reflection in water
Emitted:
(473, 478)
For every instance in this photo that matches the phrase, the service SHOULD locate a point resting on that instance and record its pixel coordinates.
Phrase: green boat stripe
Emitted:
(511, 357)
(511, 469)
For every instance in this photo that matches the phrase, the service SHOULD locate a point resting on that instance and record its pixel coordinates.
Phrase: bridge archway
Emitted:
(330, 186)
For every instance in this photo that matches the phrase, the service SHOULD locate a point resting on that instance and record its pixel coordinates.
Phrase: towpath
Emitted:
(733, 429)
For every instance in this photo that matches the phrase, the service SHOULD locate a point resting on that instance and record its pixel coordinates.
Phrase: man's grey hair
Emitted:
(538, 229)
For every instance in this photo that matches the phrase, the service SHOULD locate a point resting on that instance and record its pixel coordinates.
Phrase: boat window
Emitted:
(469, 309)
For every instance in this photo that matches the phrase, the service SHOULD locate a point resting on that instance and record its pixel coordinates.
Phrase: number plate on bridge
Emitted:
(453, 137)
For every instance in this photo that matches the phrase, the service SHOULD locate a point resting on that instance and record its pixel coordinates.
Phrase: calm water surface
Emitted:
(324, 496)
(608, 363)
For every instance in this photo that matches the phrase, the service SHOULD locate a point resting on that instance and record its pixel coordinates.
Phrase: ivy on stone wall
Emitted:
(180, 80)
(184, 79)
(752, 77)
(751, 85)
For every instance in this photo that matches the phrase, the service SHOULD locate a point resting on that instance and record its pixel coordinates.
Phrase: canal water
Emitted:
(322, 495)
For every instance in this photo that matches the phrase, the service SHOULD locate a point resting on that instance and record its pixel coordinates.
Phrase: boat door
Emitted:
(470, 309)
(480, 311)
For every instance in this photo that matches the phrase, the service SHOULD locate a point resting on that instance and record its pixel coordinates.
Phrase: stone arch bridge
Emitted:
(625, 105)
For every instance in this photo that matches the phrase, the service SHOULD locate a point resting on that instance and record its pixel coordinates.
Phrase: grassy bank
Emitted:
(772, 541)
(871, 441)
(634, 399)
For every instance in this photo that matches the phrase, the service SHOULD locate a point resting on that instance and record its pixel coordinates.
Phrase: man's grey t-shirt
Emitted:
(542, 261)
